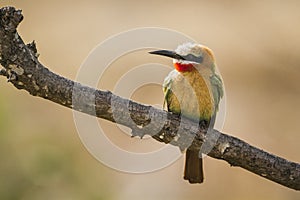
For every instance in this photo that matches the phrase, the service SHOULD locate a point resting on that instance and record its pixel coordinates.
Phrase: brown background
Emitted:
(257, 47)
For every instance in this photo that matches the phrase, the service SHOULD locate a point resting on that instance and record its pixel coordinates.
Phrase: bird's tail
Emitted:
(193, 171)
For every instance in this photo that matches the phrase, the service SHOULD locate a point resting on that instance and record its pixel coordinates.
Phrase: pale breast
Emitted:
(189, 94)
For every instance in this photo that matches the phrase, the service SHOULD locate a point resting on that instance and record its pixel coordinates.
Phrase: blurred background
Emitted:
(257, 47)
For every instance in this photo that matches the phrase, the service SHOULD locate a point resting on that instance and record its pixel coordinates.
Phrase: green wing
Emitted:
(167, 92)
(171, 103)
(217, 89)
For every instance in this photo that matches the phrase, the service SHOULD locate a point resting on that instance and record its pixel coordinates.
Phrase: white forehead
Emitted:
(189, 48)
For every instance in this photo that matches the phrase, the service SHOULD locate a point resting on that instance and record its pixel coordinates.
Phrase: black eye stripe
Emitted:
(193, 58)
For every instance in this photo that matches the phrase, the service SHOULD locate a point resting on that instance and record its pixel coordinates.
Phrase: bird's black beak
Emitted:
(167, 53)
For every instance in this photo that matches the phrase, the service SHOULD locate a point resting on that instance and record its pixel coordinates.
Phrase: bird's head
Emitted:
(189, 56)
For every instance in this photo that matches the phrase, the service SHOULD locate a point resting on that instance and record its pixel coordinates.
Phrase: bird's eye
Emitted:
(193, 58)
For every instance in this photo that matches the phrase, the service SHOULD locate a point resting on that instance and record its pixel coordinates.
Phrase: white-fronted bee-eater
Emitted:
(193, 89)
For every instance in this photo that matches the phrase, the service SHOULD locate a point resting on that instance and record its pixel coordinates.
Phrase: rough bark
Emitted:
(22, 69)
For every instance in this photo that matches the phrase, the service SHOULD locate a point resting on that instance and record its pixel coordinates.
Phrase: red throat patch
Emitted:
(184, 67)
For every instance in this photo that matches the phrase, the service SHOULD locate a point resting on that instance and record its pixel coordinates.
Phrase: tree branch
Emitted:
(24, 71)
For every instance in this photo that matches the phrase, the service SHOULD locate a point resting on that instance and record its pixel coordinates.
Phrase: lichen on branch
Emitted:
(23, 70)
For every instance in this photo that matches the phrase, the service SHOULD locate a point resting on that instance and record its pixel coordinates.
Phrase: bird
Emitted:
(194, 90)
